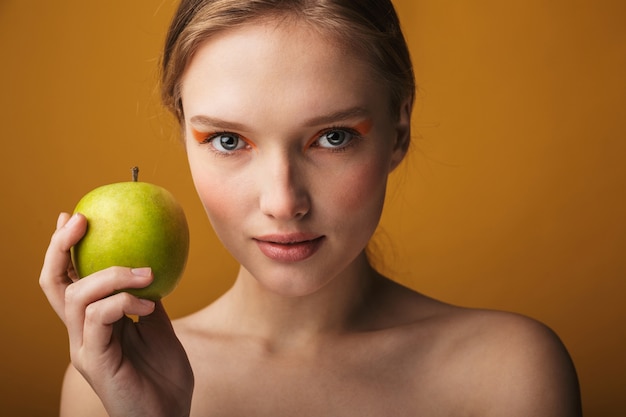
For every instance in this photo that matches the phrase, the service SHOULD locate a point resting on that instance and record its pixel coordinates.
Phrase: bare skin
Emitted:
(412, 369)
(311, 332)
(399, 353)
(119, 358)
(394, 352)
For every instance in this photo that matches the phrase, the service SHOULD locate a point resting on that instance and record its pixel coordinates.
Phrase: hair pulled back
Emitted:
(369, 27)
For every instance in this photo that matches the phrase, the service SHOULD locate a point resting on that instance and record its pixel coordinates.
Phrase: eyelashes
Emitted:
(335, 139)
(332, 139)
(226, 142)
(223, 143)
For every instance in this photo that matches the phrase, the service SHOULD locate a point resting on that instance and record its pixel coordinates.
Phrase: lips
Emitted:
(294, 247)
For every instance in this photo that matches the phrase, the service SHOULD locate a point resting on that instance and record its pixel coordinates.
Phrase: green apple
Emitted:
(133, 224)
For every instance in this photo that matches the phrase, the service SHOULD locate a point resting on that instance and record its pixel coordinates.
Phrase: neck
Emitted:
(337, 307)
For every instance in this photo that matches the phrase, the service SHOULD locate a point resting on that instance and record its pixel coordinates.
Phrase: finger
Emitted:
(71, 272)
(101, 316)
(95, 287)
(54, 278)
(63, 218)
(159, 333)
(158, 328)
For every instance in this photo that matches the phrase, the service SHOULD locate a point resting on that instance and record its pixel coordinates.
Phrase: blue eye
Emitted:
(335, 138)
(227, 142)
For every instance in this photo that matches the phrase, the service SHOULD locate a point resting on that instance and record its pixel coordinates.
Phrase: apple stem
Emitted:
(135, 173)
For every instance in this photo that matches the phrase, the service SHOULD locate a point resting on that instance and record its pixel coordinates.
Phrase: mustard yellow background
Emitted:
(513, 197)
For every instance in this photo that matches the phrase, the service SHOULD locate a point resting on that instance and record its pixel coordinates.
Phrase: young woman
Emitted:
(293, 114)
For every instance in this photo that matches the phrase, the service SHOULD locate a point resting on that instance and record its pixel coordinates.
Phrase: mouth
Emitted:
(289, 248)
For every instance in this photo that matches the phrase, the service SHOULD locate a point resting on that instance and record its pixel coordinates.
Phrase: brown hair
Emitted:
(368, 26)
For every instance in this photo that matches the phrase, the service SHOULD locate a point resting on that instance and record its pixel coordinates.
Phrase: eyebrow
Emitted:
(215, 123)
(338, 116)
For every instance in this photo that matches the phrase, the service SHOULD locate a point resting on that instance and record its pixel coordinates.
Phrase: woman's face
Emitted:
(290, 141)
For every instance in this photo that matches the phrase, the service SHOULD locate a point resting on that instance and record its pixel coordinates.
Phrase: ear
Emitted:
(402, 134)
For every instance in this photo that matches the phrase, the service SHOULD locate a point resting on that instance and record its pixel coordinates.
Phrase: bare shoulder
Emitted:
(509, 364)
(490, 362)
(530, 370)
(78, 398)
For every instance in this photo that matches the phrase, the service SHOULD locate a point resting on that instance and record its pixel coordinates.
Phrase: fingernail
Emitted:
(148, 303)
(72, 220)
(142, 272)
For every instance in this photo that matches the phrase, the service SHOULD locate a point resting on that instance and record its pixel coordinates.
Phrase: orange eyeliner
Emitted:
(362, 128)
(201, 137)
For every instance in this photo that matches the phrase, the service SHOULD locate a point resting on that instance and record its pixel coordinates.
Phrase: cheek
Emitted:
(216, 193)
(213, 199)
(220, 201)
(362, 191)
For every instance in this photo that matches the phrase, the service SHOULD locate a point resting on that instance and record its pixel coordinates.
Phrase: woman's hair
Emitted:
(369, 27)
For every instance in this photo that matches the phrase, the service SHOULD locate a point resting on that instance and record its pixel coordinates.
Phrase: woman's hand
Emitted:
(136, 368)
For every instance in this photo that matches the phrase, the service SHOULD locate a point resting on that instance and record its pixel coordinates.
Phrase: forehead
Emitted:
(281, 60)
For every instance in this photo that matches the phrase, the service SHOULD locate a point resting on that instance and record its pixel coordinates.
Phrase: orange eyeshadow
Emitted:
(199, 136)
(364, 127)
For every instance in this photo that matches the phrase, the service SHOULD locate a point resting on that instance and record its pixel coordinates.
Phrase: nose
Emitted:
(284, 192)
